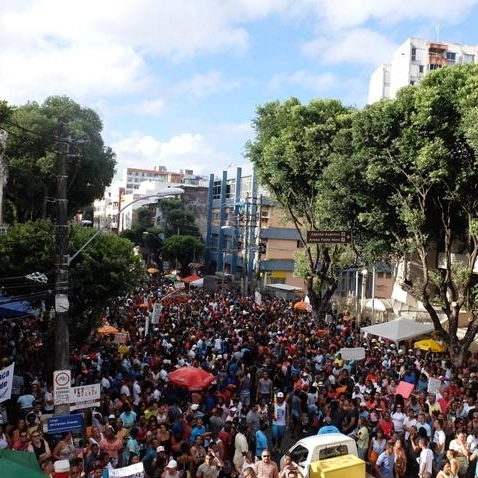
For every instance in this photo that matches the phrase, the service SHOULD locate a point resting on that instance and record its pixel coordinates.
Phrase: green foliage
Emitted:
(31, 152)
(182, 249)
(144, 218)
(176, 219)
(294, 148)
(27, 248)
(105, 269)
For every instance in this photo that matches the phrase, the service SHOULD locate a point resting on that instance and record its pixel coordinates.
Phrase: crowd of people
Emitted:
(279, 376)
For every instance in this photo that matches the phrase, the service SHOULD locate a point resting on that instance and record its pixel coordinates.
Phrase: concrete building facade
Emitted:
(412, 61)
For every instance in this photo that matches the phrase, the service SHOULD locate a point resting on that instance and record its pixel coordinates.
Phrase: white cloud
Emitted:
(149, 107)
(205, 84)
(343, 14)
(187, 151)
(78, 71)
(304, 79)
(359, 46)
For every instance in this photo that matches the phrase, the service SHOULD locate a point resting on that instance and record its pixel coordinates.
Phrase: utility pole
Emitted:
(62, 306)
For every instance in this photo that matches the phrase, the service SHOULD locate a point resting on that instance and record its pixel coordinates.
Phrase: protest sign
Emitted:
(6, 380)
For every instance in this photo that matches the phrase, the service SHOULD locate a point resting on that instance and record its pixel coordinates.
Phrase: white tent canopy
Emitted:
(399, 329)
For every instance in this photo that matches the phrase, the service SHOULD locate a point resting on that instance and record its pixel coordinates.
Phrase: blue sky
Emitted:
(176, 82)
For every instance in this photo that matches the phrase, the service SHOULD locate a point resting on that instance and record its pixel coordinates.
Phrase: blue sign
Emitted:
(65, 423)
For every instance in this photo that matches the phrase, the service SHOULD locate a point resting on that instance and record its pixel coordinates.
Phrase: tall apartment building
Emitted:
(133, 177)
(412, 61)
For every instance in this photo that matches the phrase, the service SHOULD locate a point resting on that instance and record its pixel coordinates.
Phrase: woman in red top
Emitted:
(386, 425)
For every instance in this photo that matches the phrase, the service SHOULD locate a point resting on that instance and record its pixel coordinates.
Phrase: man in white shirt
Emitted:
(439, 439)
(409, 422)
(425, 461)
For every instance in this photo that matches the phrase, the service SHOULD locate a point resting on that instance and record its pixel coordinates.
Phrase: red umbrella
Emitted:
(192, 378)
(191, 278)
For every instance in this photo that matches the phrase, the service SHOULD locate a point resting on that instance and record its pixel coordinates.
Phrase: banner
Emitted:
(132, 471)
(6, 379)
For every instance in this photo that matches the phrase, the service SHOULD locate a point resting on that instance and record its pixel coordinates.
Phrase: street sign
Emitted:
(329, 237)
(65, 423)
(85, 396)
(61, 387)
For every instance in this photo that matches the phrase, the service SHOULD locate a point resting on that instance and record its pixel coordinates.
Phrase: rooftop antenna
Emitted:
(437, 31)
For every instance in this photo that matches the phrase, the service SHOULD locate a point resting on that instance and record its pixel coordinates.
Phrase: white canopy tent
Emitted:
(399, 329)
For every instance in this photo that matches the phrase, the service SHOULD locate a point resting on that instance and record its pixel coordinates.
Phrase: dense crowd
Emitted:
(278, 374)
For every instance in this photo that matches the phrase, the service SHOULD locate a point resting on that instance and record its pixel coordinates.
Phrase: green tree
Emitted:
(293, 146)
(144, 218)
(104, 270)
(416, 158)
(31, 151)
(176, 219)
(182, 250)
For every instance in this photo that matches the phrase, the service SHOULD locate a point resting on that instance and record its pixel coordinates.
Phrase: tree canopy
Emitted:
(104, 270)
(31, 150)
(417, 156)
(293, 147)
(402, 173)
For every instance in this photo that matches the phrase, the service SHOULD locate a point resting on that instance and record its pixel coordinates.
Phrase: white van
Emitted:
(319, 448)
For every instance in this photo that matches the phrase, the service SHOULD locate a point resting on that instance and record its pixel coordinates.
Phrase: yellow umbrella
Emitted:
(430, 345)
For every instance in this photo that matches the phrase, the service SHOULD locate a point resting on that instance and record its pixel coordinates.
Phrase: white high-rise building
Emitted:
(412, 61)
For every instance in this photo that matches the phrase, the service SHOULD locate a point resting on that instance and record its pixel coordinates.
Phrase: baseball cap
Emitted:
(194, 406)
(172, 464)
(280, 395)
(111, 417)
(160, 449)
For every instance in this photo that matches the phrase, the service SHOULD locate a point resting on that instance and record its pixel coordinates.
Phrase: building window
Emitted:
(468, 58)
(388, 275)
(412, 82)
(451, 57)
(434, 67)
(414, 54)
(420, 68)
(380, 275)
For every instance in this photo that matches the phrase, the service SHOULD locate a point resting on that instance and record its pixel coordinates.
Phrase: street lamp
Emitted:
(63, 261)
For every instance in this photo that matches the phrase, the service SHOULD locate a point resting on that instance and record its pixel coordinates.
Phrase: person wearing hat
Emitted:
(280, 421)
(171, 470)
